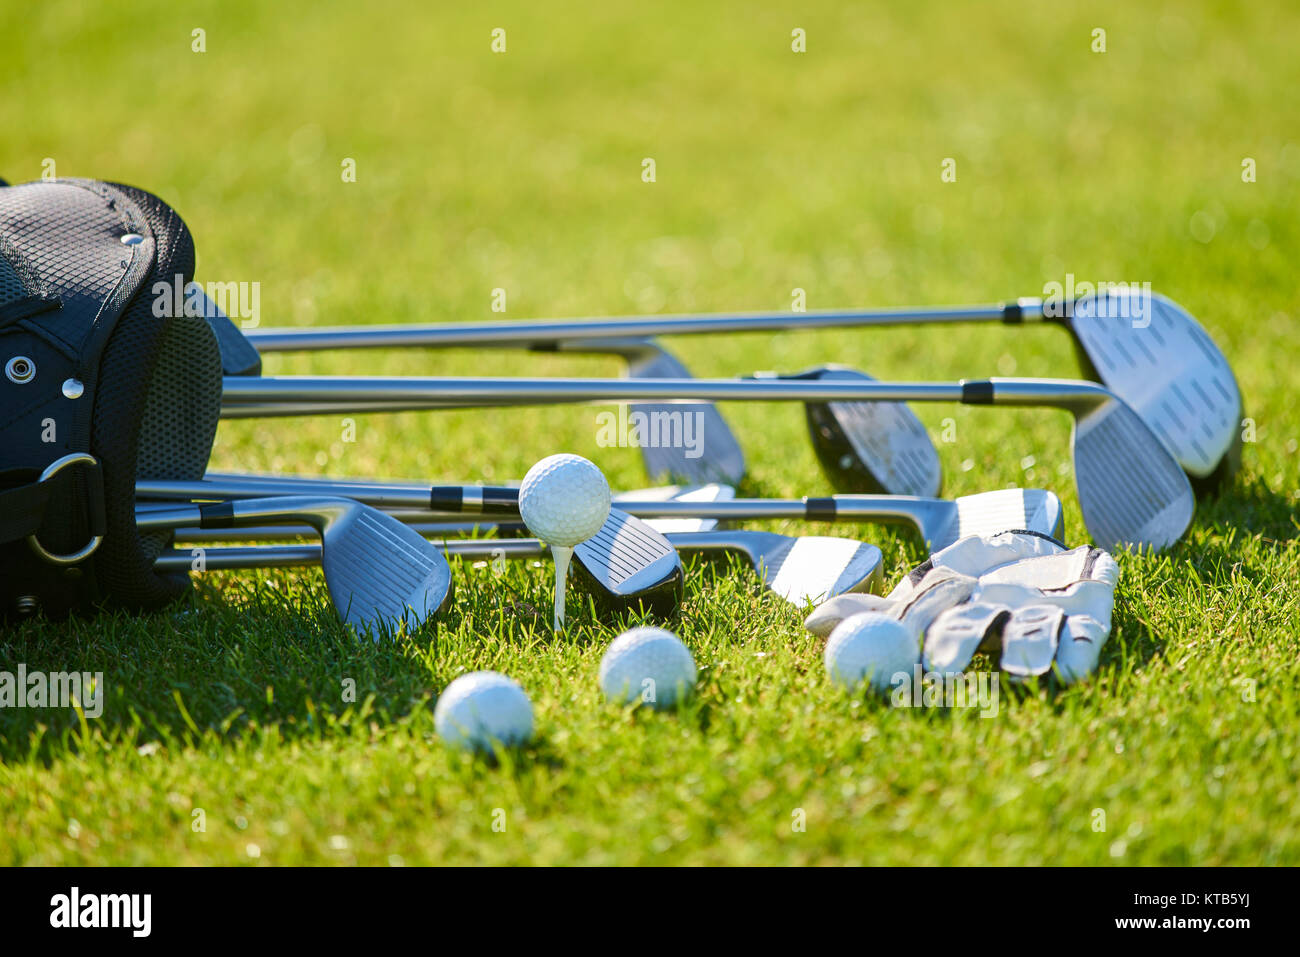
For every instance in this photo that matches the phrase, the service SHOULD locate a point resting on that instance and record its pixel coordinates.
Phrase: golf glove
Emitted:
(1024, 596)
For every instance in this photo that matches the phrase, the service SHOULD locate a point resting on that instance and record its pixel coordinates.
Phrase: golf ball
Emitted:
(647, 664)
(564, 500)
(483, 709)
(871, 648)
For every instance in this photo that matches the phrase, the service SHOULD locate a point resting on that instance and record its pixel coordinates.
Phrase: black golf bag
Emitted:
(105, 381)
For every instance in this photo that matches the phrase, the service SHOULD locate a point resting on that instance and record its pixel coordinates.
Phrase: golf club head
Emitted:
(381, 573)
(1154, 355)
(627, 564)
(1132, 491)
(990, 513)
(701, 447)
(811, 568)
(680, 493)
(875, 447)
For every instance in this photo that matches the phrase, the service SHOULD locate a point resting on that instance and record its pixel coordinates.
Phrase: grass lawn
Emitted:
(775, 171)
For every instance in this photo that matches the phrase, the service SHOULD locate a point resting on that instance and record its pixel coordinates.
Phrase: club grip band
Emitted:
(500, 501)
(484, 500)
(819, 509)
(218, 515)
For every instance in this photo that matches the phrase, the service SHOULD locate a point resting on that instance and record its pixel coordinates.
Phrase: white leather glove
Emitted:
(1021, 595)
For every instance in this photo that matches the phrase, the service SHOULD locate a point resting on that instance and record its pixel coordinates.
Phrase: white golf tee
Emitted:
(562, 554)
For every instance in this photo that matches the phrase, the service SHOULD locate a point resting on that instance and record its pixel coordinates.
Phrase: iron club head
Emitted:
(1132, 492)
(800, 570)
(680, 493)
(379, 572)
(874, 447)
(629, 564)
(943, 522)
(1155, 356)
(700, 447)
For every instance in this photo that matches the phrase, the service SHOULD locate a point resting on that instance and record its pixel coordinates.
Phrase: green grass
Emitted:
(775, 170)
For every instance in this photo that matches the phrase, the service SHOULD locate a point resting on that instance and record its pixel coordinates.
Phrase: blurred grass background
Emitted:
(775, 171)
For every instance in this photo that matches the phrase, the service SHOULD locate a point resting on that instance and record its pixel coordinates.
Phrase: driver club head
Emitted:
(874, 447)
(1154, 355)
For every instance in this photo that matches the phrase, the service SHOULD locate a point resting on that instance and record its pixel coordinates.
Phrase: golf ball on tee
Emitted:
(649, 664)
(482, 709)
(564, 500)
(871, 647)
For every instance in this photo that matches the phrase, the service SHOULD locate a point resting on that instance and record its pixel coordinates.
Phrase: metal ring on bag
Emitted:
(20, 370)
(51, 470)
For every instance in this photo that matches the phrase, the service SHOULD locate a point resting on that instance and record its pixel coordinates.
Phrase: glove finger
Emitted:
(823, 619)
(955, 636)
(1080, 647)
(1092, 598)
(943, 590)
(1029, 640)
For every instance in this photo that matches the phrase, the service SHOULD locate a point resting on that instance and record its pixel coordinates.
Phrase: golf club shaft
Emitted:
(423, 503)
(312, 509)
(291, 556)
(468, 549)
(544, 334)
(293, 395)
(426, 523)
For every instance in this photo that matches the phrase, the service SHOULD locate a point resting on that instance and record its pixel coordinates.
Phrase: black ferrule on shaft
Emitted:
(445, 498)
(219, 515)
(498, 501)
(819, 509)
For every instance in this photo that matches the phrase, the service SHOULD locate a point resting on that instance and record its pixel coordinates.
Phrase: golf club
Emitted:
(273, 485)
(720, 458)
(877, 447)
(940, 522)
(1131, 490)
(626, 564)
(1144, 347)
(865, 447)
(800, 570)
(378, 571)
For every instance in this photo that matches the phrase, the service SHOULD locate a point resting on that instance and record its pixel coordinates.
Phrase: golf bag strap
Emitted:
(27, 494)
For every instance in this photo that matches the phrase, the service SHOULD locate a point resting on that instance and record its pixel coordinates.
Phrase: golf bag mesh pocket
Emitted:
(183, 406)
(11, 285)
